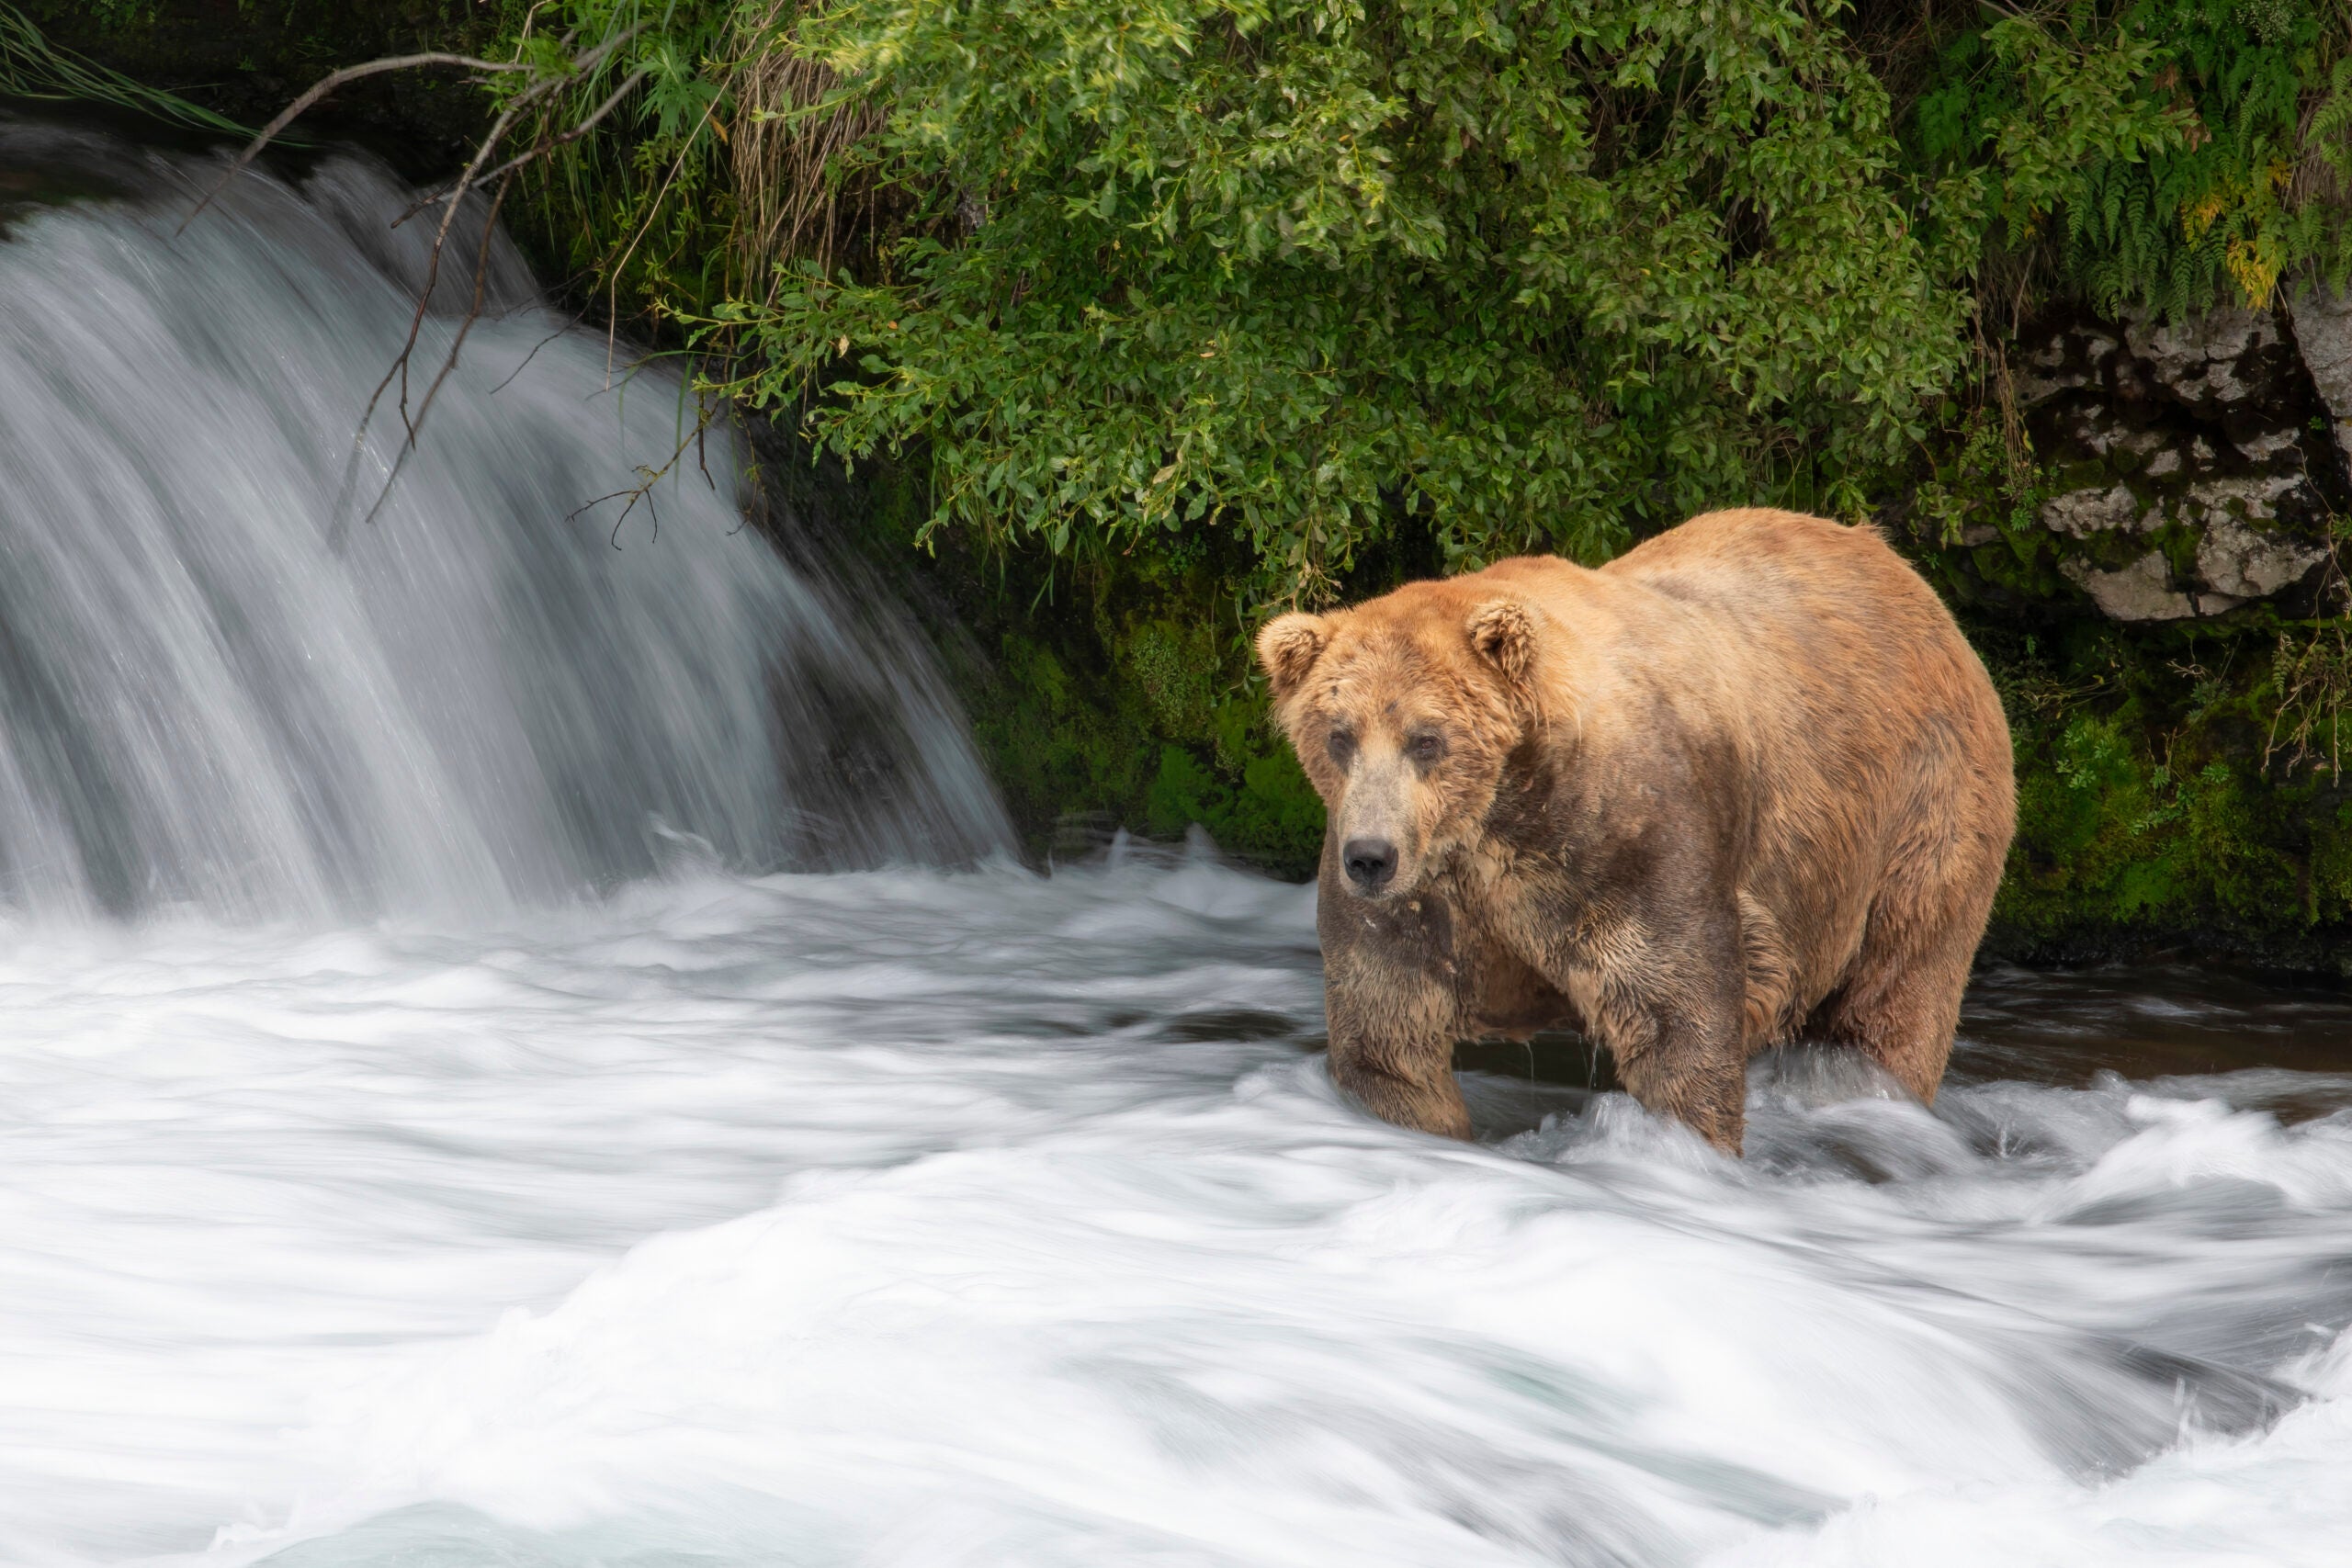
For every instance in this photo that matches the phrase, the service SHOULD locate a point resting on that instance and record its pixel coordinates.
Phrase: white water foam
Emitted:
(915, 1218)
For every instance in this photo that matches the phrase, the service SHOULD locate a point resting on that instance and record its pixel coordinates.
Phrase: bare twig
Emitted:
(586, 62)
(453, 198)
(328, 84)
(547, 145)
(399, 367)
(643, 492)
(532, 96)
(467, 180)
(647, 479)
(473, 315)
(561, 328)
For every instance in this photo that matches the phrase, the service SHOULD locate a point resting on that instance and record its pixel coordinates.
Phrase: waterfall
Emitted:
(225, 686)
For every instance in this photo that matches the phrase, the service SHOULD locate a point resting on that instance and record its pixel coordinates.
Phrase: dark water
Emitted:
(2283, 1042)
(2160, 1022)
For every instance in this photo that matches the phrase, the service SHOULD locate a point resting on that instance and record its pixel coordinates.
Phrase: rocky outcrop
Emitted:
(2195, 459)
(2322, 323)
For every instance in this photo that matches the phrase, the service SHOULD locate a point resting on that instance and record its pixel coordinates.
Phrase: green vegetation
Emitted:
(2149, 151)
(1297, 272)
(2147, 811)
(1133, 319)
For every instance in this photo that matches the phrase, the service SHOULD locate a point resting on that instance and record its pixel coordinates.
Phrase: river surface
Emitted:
(913, 1217)
(488, 1083)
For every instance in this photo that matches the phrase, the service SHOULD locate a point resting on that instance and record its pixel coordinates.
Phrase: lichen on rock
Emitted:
(2236, 558)
(2080, 514)
(2216, 361)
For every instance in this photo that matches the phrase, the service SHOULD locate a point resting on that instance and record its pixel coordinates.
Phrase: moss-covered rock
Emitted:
(2187, 467)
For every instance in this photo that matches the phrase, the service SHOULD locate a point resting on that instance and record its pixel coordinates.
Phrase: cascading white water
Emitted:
(221, 686)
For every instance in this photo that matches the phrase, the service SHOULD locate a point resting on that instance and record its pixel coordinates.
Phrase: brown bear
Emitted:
(1746, 781)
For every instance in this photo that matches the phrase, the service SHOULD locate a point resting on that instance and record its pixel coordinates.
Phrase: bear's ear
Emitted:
(1504, 634)
(1288, 647)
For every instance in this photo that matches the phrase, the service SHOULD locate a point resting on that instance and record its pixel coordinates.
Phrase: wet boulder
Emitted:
(2195, 458)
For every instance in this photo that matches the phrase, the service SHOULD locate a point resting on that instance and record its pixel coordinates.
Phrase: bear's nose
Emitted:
(1370, 863)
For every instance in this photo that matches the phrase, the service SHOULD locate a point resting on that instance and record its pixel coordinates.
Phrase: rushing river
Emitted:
(439, 1128)
(921, 1218)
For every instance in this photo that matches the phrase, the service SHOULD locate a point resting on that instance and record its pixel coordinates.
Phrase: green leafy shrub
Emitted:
(1291, 270)
(2158, 152)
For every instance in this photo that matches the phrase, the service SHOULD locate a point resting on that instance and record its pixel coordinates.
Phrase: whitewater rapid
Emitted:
(989, 1218)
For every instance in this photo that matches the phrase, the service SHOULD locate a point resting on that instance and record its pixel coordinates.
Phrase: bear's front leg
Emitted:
(1678, 1047)
(1391, 991)
(1689, 1072)
(1673, 1022)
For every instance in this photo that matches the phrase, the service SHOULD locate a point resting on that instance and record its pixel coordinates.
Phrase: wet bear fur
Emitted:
(1744, 785)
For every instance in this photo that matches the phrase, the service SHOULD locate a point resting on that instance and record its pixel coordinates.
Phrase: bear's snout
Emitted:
(1371, 862)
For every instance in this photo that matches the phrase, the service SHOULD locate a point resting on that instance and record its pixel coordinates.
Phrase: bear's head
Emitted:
(1403, 711)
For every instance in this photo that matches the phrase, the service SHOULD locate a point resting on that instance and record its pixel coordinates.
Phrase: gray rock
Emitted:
(2199, 360)
(2047, 374)
(2266, 445)
(2141, 591)
(2255, 497)
(2080, 514)
(2322, 321)
(2066, 361)
(2098, 432)
(2238, 562)
(2195, 431)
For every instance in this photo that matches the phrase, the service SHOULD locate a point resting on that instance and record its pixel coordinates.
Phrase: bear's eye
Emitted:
(1342, 746)
(1426, 747)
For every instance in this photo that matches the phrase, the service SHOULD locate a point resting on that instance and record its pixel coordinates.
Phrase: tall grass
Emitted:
(32, 67)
